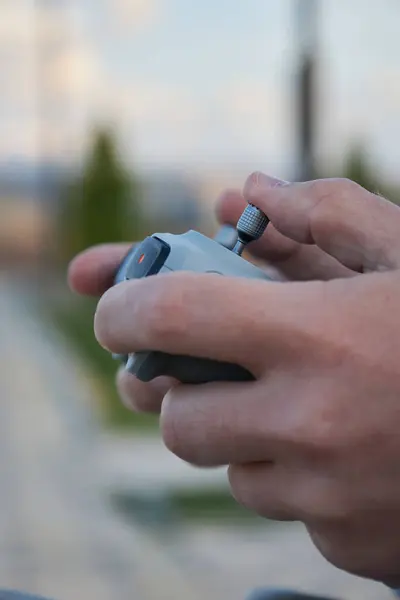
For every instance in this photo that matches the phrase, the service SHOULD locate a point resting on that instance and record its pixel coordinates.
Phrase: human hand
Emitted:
(315, 437)
(92, 273)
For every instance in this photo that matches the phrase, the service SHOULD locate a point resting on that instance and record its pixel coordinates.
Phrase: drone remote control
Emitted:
(191, 251)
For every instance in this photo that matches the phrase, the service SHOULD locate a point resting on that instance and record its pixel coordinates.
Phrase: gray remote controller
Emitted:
(191, 251)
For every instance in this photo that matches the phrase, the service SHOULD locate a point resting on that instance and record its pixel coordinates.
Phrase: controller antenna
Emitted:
(250, 227)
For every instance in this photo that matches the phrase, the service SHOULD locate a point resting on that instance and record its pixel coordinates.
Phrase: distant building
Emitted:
(30, 198)
(25, 230)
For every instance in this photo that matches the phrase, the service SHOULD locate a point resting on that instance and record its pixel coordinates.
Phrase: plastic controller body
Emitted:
(195, 252)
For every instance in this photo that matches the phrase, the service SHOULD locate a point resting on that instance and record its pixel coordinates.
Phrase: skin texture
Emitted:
(316, 437)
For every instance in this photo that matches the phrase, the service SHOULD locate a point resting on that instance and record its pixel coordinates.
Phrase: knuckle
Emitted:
(314, 433)
(345, 186)
(324, 444)
(339, 187)
(327, 502)
(322, 435)
(329, 435)
(336, 545)
(247, 493)
(332, 195)
(324, 544)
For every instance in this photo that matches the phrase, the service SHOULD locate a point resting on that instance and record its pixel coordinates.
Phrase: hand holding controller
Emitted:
(191, 251)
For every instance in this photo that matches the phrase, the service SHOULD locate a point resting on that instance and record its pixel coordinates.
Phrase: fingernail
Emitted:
(261, 180)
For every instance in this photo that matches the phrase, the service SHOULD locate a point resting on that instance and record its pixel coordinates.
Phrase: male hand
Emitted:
(316, 436)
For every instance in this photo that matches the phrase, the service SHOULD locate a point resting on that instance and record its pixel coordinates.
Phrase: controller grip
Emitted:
(186, 369)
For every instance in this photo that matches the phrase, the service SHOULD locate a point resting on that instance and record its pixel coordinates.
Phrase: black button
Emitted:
(146, 259)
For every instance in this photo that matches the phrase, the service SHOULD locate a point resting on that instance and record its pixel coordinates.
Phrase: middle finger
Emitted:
(295, 261)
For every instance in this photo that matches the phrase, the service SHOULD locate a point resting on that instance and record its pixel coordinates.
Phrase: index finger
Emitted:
(293, 259)
(355, 226)
(235, 320)
(92, 272)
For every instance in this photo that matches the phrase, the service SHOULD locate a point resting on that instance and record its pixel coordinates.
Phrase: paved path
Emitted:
(223, 559)
(58, 538)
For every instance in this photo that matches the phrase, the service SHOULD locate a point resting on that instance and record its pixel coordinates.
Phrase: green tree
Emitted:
(358, 169)
(103, 204)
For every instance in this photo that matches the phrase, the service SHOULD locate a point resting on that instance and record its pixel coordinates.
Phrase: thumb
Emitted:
(358, 228)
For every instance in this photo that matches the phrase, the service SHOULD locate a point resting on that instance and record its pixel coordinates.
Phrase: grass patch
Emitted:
(75, 321)
(210, 505)
(183, 505)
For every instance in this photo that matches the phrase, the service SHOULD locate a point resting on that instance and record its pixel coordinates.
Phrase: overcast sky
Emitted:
(195, 82)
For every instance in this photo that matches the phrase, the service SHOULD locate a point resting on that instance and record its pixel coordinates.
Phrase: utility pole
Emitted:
(306, 104)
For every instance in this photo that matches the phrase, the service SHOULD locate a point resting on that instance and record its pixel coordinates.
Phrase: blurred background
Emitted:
(119, 118)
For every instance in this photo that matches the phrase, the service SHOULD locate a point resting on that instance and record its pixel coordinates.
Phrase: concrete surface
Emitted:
(57, 536)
